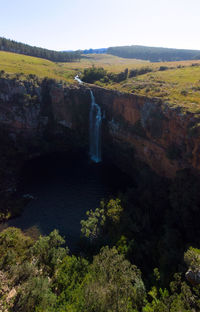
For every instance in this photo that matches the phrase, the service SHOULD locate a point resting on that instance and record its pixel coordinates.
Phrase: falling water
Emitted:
(95, 127)
(95, 130)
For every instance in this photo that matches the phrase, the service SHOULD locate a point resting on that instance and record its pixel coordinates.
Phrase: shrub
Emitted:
(162, 68)
(192, 258)
(35, 295)
(97, 220)
(48, 252)
(184, 92)
(13, 247)
(93, 74)
(141, 71)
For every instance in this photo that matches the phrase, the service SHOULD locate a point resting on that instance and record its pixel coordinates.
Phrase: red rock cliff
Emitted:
(162, 137)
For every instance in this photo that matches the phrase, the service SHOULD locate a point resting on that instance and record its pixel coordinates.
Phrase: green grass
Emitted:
(179, 87)
(13, 63)
(176, 86)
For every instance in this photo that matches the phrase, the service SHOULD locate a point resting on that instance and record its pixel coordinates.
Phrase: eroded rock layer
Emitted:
(162, 137)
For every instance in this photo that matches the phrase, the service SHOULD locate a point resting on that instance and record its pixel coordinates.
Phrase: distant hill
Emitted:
(154, 54)
(96, 51)
(21, 48)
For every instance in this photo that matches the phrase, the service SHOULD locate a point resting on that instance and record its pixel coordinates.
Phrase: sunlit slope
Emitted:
(109, 62)
(13, 63)
(179, 85)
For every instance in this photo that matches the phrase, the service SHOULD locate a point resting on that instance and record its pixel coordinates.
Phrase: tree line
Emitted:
(154, 54)
(21, 48)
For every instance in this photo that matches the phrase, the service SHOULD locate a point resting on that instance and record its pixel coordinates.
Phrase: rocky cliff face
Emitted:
(161, 137)
(29, 108)
(38, 117)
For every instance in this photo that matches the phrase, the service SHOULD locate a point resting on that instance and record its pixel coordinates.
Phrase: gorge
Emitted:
(45, 133)
(141, 136)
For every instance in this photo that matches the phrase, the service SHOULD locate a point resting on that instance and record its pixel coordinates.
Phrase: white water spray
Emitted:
(95, 130)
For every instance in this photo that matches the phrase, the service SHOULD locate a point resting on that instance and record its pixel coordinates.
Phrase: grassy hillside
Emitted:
(109, 62)
(178, 84)
(13, 63)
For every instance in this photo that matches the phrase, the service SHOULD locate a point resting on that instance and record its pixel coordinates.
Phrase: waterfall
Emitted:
(95, 127)
(95, 130)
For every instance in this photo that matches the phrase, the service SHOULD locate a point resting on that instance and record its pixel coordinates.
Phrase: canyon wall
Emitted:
(164, 138)
(41, 117)
(36, 118)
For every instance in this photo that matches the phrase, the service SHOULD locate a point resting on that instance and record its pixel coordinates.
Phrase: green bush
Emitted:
(141, 71)
(14, 247)
(162, 68)
(48, 253)
(35, 296)
(93, 74)
(113, 284)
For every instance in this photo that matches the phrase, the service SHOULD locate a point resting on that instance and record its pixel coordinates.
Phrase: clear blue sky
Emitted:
(80, 24)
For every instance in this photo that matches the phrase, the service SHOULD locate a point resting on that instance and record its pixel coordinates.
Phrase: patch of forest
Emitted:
(154, 54)
(21, 48)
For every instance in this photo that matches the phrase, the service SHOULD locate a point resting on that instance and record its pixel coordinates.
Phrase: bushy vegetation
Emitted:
(109, 282)
(21, 48)
(140, 71)
(94, 74)
(154, 54)
(131, 249)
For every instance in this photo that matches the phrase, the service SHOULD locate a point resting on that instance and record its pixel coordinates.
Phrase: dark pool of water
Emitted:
(64, 189)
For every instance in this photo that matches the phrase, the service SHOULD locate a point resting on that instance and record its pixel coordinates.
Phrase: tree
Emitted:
(13, 247)
(192, 258)
(35, 296)
(97, 220)
(21, 48)
(68, 281)
(113, 284)
(48, 253)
